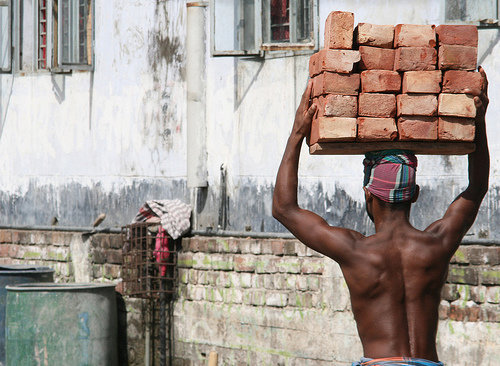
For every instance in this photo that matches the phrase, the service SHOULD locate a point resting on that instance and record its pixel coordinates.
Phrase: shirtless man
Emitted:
(394, 276)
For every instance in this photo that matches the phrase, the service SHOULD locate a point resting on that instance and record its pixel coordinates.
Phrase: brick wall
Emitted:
(268, 301)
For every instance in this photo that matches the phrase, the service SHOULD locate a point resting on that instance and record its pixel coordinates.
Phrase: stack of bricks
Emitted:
(379, 83)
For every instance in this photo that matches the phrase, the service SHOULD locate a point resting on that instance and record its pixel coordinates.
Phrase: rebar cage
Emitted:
(148, 270)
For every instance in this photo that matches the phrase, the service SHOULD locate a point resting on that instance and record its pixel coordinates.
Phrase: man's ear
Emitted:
(368, 195)
(415, 196)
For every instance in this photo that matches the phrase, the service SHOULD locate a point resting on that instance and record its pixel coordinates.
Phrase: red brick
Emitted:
(464, 35)
(457, 105)
(376, 129)
(5, 236)
(456, 129)
(339, 28)
(457, 81)
(375, 35)
(417, 104)
(415, 59)
(4, 250)
(335, 83)
(412, 35)
(380, 81)
(277, 247)
(453, 57)
(333, 105)
(325, 129)
(418, 128)
(377, 105)
(333, 60)
(427, 82)
(373, 58)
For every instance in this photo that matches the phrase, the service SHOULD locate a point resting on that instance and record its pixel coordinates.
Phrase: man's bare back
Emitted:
(395, 292)
(395, 276)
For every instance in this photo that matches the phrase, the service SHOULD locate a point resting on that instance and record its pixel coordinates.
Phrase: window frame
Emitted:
(293, 45)
(57, 50)
(8, 5)
(262, 20)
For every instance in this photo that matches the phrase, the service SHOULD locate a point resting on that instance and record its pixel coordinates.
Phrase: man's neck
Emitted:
(386, 220)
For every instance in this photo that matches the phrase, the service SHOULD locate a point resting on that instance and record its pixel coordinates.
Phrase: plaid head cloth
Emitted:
(390, 175)
(396, 361)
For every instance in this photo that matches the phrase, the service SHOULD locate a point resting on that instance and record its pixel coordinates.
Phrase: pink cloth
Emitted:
(162, 252)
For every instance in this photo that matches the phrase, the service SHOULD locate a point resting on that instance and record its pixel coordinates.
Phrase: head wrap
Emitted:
(390, 175)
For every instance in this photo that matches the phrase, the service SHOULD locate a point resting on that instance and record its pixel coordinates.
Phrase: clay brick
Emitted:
(377, 105)
(456, 129)
(457, 105)
(339, 28)
(491, 276)
(373, 58)
(453, 57)
(419, 128)
(450, 292)
(277, 247)
(333, 60)
(335, 83)
(375, 35)
(413, 35)
(415, 59)
(417, 105)
(457, 81)
(333, 105)
(464, 35)
(325, 129)
(376, 129)
(380, 81)
(462, 275)
(427, 82)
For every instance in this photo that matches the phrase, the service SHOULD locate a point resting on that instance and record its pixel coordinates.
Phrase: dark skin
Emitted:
(395, 276)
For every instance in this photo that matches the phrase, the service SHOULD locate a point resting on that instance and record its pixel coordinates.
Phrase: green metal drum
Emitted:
(61, 324)
(12, 275)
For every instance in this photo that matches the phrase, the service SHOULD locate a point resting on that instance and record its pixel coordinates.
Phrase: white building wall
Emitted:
(105, 141)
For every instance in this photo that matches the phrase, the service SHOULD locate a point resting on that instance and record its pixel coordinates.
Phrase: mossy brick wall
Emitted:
(276, 302)
(268, 301)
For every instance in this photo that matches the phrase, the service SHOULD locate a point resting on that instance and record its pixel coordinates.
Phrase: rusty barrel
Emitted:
(17, 274)
(61, 324)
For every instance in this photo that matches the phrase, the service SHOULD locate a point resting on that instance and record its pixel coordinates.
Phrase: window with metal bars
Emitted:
(76, 33)
(249, 27)
(42, 34)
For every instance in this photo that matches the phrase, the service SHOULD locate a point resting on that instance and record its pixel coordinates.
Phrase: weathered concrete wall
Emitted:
(76, 145)
(267, 301)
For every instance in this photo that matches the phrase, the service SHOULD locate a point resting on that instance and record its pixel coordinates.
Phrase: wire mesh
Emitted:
(149, 266)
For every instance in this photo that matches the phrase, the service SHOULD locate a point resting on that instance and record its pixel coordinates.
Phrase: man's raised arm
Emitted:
(463, 211)
(308, 227)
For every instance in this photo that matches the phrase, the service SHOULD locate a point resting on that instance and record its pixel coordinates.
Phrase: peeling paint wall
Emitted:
(73, 146)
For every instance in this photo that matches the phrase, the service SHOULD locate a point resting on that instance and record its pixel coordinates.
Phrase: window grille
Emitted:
(76, 33)
(249, 27)
(42, 34)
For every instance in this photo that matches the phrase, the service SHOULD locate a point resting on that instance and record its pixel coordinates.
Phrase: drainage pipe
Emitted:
(196, 91)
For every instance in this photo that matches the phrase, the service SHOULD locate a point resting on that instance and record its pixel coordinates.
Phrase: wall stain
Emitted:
(163, 112)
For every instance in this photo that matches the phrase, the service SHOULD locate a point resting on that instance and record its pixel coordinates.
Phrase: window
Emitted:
(250, 27)
(5, 36)
(483, 13)
(75, 34)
